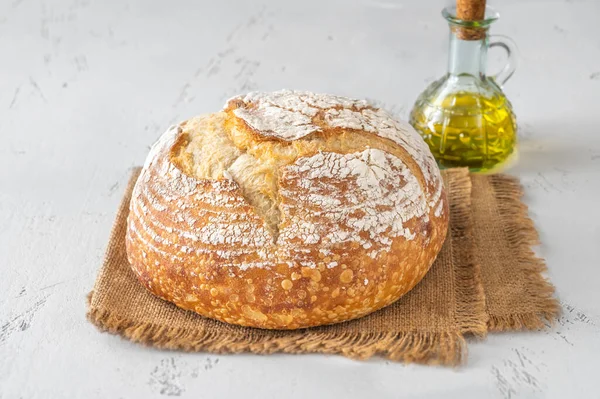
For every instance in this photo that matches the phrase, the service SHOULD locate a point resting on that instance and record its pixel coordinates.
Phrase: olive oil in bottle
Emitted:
(467, 129)
(464, 117)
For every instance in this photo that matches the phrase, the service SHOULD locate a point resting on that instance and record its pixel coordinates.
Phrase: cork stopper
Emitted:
(470, 10)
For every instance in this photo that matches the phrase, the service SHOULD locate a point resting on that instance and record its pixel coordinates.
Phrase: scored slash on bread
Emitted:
(287, 210)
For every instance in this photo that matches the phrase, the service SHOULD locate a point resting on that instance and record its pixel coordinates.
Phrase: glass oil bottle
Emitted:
(464, 117)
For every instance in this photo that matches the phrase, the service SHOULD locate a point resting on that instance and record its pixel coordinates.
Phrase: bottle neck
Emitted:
(467, 57)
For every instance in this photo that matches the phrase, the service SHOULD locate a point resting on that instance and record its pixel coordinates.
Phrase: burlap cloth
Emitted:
(485, 278)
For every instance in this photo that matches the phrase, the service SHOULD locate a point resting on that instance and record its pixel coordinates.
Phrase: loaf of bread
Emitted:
(287, 210)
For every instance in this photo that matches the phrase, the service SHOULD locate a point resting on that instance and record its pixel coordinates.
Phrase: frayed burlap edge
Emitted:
(416, 347)
(470, 312)
(521, 235)
(122, 213)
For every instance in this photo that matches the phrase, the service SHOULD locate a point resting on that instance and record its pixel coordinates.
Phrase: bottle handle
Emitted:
(510, 47)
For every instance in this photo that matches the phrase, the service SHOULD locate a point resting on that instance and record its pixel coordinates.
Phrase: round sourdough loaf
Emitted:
(287, 210)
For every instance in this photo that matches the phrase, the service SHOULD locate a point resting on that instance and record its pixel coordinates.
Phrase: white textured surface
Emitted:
(86, 86)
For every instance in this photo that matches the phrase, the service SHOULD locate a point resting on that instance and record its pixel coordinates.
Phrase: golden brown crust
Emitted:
(345, 220)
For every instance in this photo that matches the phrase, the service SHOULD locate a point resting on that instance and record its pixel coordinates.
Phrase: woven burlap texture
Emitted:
(517, 294)
(428, 325)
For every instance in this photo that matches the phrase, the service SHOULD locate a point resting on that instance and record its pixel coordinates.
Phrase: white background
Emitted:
(87, 85)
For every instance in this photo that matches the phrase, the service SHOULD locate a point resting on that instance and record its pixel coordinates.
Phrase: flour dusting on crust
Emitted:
(329, 200)
(227, 218)
(291, 115)
(379, 195)
(286, 114)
